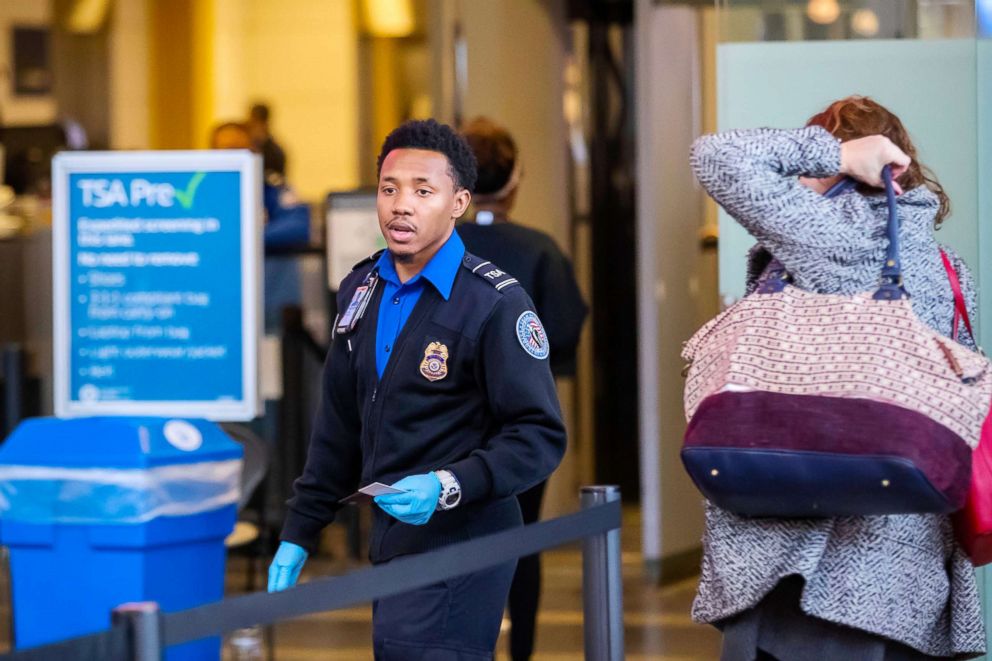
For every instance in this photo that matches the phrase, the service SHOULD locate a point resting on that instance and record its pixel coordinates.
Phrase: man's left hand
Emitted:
(417, 502)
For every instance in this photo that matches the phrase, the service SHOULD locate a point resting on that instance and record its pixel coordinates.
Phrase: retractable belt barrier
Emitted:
(112, 644)
(401, 575)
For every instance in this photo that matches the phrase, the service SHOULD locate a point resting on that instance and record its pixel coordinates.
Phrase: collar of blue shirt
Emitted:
(440, 271)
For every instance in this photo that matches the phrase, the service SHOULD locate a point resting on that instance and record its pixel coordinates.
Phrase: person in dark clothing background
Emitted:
(273, 155)
(546, 274)
(437, 382)
(287, 223)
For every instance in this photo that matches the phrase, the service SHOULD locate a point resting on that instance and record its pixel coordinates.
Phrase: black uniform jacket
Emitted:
(493, 419)
(546, 275)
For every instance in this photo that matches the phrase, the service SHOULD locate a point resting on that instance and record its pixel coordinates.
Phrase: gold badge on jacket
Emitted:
(435, 364)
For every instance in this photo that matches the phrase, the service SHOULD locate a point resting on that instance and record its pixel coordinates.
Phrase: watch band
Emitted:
(451, 490)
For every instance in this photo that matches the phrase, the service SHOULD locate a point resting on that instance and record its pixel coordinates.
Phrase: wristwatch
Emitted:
(451, 490)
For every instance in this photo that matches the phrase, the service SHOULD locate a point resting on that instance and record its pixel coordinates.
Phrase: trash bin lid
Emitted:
(116, 442)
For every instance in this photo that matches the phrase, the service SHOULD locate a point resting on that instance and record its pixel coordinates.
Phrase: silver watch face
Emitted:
(452, 498)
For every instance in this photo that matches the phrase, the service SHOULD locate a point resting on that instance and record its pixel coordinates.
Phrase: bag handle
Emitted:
(891, 282)
(960, 309)
(841, 186)
(891, 287)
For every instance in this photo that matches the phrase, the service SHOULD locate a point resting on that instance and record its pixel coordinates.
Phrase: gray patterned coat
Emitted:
(901, 577)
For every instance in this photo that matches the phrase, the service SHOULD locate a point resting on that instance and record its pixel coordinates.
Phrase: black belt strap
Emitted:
(111, 644)
(325, 594)
(396, 577)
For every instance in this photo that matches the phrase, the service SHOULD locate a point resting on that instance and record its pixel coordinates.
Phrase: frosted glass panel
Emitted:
(929, 84)
(983, 83)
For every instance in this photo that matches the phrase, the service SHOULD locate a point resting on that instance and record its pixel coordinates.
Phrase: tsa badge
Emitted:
(532, 336)
(434, 367)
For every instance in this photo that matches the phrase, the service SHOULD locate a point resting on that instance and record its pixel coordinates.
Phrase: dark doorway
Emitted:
(612, 222)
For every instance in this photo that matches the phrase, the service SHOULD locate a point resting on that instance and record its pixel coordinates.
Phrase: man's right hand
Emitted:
(286, 566)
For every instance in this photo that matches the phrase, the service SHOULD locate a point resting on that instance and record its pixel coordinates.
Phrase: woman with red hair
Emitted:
(873, 588)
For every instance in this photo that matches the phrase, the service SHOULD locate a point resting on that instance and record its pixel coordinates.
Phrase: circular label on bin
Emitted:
(182, 435)
(89, 393)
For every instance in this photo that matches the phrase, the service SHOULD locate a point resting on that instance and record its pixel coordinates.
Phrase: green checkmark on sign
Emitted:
(187, 196)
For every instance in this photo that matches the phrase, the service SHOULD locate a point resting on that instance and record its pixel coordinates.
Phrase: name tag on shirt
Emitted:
(356, 308)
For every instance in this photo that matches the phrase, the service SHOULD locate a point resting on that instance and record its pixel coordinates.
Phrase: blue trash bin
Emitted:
(97, 512)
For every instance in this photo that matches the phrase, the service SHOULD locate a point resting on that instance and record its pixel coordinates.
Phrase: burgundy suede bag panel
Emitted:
(757, 420)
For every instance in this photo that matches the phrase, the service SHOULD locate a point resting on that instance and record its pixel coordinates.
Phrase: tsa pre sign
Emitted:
(156, 269)
(154, 286)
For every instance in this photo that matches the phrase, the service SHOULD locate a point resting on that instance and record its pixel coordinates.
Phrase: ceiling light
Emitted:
(865, 22)
(823, 12)
(87, 16)
(388, 18)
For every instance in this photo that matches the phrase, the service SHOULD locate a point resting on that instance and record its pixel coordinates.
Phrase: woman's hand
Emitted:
(864, 158)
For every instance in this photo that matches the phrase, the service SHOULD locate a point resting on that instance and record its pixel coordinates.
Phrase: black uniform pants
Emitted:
(525, 592)
(455, 620)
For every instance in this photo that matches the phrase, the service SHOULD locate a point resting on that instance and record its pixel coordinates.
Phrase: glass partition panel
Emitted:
(782, 84)
(768, 76)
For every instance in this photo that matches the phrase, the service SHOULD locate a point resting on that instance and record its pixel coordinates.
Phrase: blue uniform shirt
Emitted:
(398, 299)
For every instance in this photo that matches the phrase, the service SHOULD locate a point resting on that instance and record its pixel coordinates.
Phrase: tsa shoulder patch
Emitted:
(489, 272)
(531, 335)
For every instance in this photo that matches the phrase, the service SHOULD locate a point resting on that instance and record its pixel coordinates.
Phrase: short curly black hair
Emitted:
(433, 136)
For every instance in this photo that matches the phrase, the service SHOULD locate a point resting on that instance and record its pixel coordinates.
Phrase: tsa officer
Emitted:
(437, 383)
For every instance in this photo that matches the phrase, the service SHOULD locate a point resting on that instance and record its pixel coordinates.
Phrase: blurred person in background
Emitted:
(533, 258)
(287, 224)
(273, 155)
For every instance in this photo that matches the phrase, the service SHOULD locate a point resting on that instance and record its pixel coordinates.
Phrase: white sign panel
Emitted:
(353, 234)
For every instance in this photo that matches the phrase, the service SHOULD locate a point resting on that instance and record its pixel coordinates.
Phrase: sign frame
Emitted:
(249, 167)
(338, 266)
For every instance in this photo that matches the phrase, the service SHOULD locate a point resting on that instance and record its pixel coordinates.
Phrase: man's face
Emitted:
(417, 203)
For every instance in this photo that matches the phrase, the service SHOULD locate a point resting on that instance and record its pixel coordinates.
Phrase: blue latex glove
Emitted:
(286, 566)
(417, 502)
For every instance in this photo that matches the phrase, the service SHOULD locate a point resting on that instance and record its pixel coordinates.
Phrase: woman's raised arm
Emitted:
(754, 175)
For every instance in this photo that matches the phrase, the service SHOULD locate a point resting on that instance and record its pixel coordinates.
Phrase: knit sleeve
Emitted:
(754, 175)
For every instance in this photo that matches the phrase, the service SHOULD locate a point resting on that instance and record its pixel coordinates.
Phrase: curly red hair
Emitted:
(861, 116)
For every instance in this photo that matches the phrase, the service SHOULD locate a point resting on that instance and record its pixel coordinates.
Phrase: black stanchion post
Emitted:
(602, 584)
(291, 442)
(293, 392)
(13, 387)
(144, 629)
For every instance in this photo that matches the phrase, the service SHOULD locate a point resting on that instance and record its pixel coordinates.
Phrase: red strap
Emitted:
(960, 309)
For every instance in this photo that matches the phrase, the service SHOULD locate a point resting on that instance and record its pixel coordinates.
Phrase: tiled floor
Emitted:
(656, 620)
